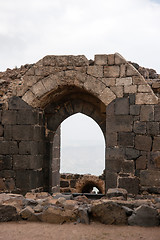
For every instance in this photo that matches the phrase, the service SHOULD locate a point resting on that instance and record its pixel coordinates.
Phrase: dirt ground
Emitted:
(69, 231)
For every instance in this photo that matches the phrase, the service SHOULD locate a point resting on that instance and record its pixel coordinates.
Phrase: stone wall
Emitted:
(36, 99)
(22, 147)
(81, 183)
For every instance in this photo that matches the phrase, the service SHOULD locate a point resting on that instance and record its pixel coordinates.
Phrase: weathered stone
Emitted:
(1, 130)
(143, 142)
(145, 216)
(144, 88)
(9, 117)
(109, 213)
(130, 89)
(157, 113)
(149, 178)
(116, 192)
(141, 163)
(119, 59)
(109, 82)
(28, 214)
(131, 71)
(134, 110)
(147, 113)
(57, 215)
(118, 91)
(139, 127)
(8, 147)
(126, 139)
(143, 98)
(5, 162)
(111, 179)
(96, 71)
(111, 58)
(131, 153)
(124, 81)
(16, 103)
(156, 144)
(111, 71)
(100, 59)
(153, 128)
(119, 123)
(8, 213)
(131, 184)
(122, 106)
(154, 159)
(128, 167)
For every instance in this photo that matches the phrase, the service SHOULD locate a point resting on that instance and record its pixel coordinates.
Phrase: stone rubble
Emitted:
(117, 207)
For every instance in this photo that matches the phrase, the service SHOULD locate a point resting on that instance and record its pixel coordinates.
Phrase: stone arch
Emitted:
(110, 90)
(87, 182)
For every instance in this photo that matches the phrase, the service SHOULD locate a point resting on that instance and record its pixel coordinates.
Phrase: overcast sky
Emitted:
(31, 29)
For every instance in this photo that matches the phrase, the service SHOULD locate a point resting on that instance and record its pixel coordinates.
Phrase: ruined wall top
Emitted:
(33, 82)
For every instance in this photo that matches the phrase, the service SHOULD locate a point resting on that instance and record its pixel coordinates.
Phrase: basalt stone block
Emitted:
(111, 179)
(111, 139)
(134, 110)
(27, 117)
(8, 147)
(150, 178)
(122, 106)
(7, 174)
(143, 143)
(26, 180)
(31, 147)
(132, 153)
(154, 159)
(9, 117)
(131, 184)
(0, 116)
(139, 127)
(22, 132)
(156, 144)
(114, 164)
(126, 139)
(16, 103)
(157, 113)
(114, 153)
(27, 162)
(153, 128)
(5, 162)
(147, 113)
(1, 130)
(141, 163)
(128, 166)
(119, 123)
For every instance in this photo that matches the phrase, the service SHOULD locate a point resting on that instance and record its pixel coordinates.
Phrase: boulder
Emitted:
(28, 214)
(109, 213)
(144, 215)
(54, 214)
(117, 192)
(8, 213)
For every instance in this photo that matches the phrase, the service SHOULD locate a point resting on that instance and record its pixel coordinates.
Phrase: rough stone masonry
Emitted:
(35, 99)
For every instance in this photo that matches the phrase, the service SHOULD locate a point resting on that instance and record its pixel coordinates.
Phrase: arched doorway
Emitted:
(82, 146)
(70, 100)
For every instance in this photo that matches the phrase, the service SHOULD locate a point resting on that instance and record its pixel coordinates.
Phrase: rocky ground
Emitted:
(68, 231)
(117, 208)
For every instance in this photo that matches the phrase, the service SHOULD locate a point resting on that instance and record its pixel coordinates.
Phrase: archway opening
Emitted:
(82, 146)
